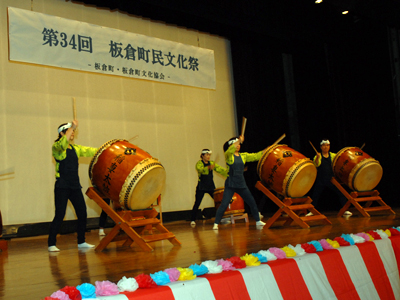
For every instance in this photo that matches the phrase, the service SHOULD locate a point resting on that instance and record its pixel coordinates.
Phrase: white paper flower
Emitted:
(212, 266)
(127, 284)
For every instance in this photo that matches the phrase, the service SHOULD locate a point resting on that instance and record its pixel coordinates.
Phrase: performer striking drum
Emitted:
(325, 173)
(67, 186)
(235, 182)
(205, 185)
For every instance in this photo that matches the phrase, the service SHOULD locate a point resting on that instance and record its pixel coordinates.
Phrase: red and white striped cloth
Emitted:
(364, 271)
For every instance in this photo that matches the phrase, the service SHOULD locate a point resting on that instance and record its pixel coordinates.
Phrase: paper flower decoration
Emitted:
(317, 245)
(72, 292)
(250, 260)
(290, 252)
(160, 278)
(325, 245)
(299, 250)
(357, 238)
(365, 236)
(51, 298)
(394, 231)
(173, 274)
(237, 262)
(382, 234)
(270, 256)
(348, 238)
(226, 265)
(341, 241)
(260, 257)
(106, 288)
(60, 295)
(145, 281)
(279, 253)
(374, 234)
(199, 270)
(186, 274)
(309, 248)
(212, 266)
(87, 290)
(127, 284)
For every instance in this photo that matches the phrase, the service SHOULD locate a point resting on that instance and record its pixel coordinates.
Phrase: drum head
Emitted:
(302, 181)
(367, 177)
(147, 189)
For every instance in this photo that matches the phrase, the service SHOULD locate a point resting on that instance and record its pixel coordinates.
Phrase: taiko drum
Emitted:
(127, 175)
(236, 205)
(286, 171)
(355, 168)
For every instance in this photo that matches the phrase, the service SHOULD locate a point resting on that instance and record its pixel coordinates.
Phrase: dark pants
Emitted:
(198, 198)
(319, 187)
(61, 197)
(227, 197)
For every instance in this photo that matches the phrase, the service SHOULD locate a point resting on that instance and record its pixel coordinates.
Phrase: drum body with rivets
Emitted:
(127, 175)
(286, 171)
(355, 168)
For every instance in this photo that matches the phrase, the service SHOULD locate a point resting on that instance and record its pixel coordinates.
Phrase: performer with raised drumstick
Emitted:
(205, 185)
(323, 162)
(235, 182)
(67, 185)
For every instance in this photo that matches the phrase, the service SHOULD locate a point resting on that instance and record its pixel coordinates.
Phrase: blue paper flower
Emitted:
(348, 238)
(160, 278)
(260, 257)
(199, 270)
(317, 245)
(87, 290)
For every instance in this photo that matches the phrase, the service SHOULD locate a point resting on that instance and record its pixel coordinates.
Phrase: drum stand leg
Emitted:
(355, 198)
(133, 224)
(289, 207)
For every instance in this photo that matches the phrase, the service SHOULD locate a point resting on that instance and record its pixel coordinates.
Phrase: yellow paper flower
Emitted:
(370, 237)
(334, 244)
(387, 231)
(289, 251)
(250, 260)
(186, 274)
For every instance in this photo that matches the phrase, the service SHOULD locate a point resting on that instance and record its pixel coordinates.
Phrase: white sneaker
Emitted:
(85, 245)
(215, 227)
(53, 249)
(347, 213)
(193, 223)
(260, 223)
(261, 216)
(309, 214)
(101, 231)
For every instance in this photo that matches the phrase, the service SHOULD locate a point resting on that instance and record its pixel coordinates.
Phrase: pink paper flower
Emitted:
(173, 273)
(106, 288)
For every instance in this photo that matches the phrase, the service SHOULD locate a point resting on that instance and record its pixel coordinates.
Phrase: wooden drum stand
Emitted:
(356, 198)
(292, 207)
(133, 224)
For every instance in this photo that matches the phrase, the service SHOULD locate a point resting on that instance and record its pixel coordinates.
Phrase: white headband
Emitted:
(233, 141)
(325, 142)
(206, 152)
(66, 126)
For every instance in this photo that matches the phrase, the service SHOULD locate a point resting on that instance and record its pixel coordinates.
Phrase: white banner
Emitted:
(53, 41)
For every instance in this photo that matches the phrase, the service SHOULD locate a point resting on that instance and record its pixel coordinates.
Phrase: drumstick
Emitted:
(244, 120)
(313, 147)
(74, 107)
(280, 139)
(362, 146)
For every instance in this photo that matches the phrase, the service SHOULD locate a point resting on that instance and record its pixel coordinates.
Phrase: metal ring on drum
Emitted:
(358, 170)
(286, 171)
(127, 175)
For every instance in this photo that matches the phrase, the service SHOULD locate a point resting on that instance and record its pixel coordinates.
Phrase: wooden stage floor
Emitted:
(29, 271)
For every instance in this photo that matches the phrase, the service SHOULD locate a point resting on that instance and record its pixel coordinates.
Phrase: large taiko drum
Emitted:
(236, 205)
(286, 171)
(127, 175)
(356, 169)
